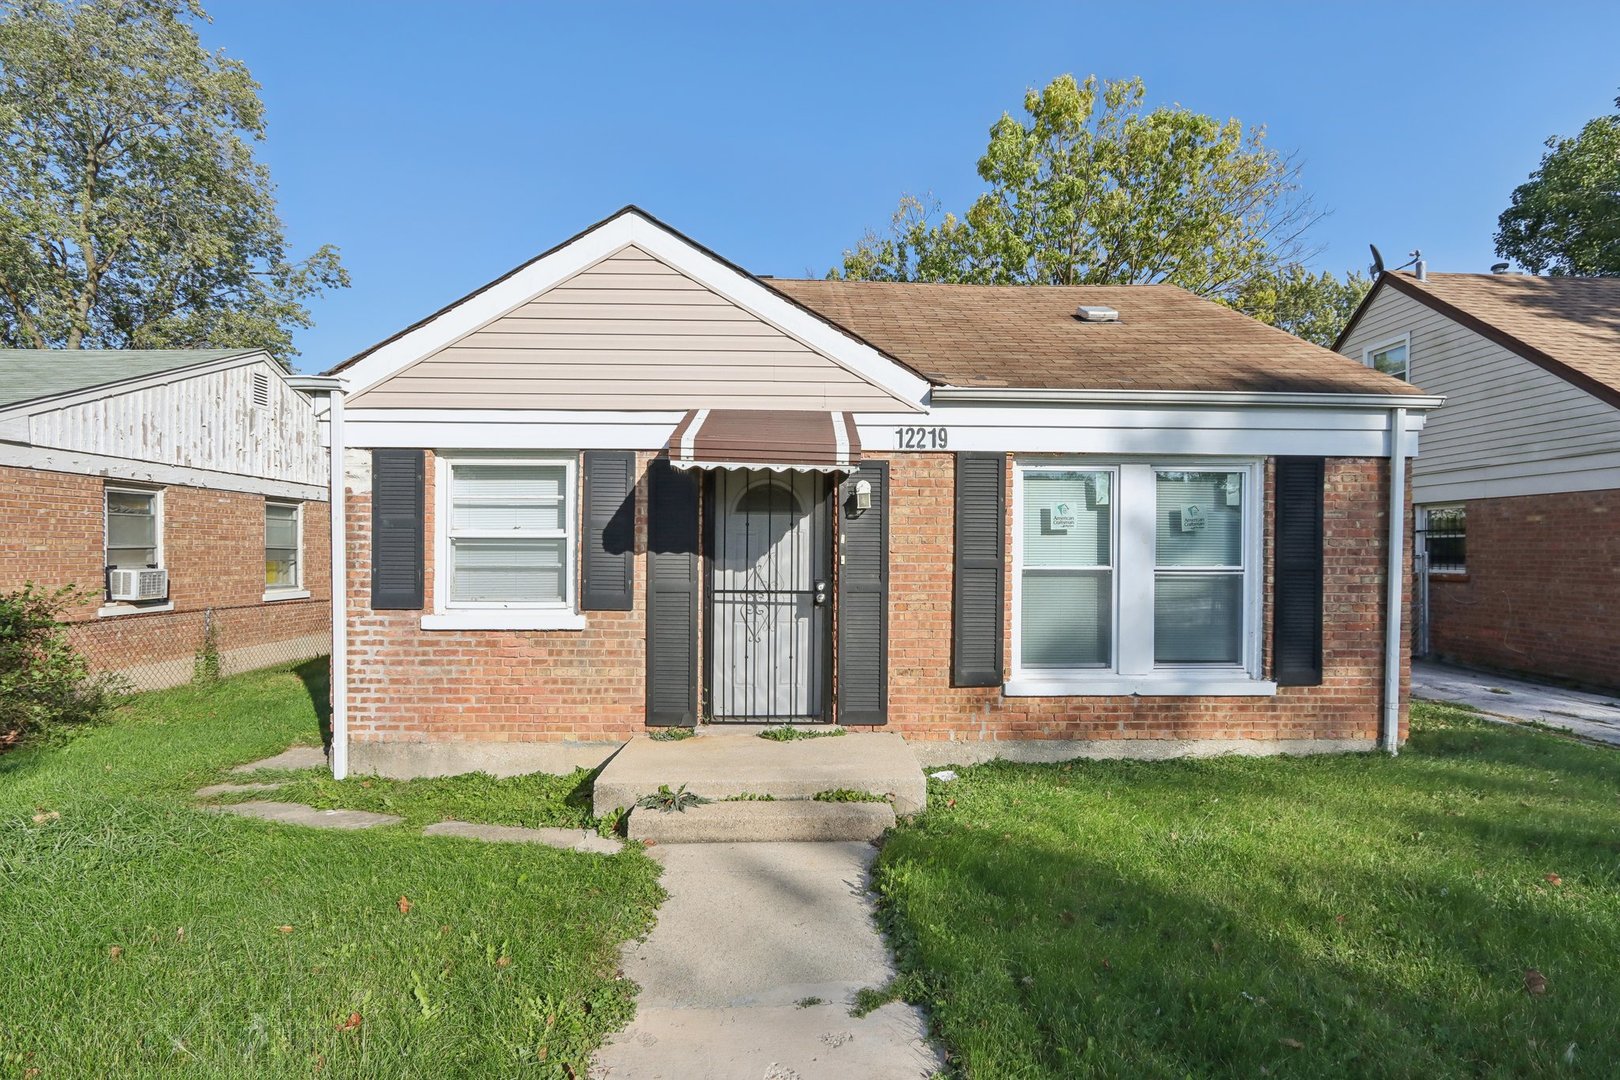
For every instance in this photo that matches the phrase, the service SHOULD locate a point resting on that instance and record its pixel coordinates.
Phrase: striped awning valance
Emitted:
(776, 439)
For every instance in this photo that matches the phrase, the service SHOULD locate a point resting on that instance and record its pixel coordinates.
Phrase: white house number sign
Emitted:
(921, 438)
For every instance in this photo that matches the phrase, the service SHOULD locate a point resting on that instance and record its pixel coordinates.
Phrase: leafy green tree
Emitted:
(1566, 218)
(1092, 188)
(132, 210)
(1310, 306)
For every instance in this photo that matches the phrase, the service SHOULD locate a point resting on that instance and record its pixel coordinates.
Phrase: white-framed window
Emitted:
(134, 528)
(283, 546)
(507, 532)
(1392, 357)
(132, 533)
(1136, 576)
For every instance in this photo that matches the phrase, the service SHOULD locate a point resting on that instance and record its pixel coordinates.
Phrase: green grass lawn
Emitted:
(142, 936)
(1330, 916)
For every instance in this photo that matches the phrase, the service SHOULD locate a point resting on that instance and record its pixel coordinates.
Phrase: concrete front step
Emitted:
(796, 820)
(720, 767)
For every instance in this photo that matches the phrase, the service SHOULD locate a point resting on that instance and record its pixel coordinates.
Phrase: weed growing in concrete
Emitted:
(845, 794)
(666, 800)
(789, 733)
(674, 734)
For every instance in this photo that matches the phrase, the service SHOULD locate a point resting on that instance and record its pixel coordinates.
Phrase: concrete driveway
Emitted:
(1592, 716)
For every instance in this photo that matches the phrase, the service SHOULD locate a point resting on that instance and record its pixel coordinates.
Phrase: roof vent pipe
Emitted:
(1420, 268)
(1499, 268)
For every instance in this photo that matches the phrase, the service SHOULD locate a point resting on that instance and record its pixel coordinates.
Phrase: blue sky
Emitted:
(440, 144)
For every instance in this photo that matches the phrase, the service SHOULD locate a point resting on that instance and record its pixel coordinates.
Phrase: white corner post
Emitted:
(1394, 607)
(339, 676)
(333, 389)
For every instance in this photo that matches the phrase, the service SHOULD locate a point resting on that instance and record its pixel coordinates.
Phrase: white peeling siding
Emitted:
(1508, 427)
(203, 422)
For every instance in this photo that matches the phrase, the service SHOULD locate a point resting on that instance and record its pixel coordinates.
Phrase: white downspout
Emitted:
(1397, 579)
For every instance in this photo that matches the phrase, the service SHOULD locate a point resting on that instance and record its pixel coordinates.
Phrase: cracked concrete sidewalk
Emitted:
(750, 973)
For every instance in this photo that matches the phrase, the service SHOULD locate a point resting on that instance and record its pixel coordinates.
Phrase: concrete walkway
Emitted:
(1592, 716)
(726, 765)
(294, 757)
(292, 813)
(749, 975)
(562, 839)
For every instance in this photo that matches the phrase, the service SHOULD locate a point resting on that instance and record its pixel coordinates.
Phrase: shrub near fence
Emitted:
(46, 685)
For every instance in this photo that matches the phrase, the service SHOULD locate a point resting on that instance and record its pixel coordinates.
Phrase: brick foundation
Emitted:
(1542, 590)
(407, 685)
(214, 551)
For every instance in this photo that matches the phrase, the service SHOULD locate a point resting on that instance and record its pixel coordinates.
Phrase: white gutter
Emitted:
(1396, 573)
(1035, 396)
(338, 678)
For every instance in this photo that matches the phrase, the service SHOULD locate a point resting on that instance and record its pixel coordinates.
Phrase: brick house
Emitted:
(629, 484)
(1518, 489)
(183, 491)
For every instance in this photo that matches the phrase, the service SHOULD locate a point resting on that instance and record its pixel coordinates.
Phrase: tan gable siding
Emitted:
(1508, 427)
(627, 333)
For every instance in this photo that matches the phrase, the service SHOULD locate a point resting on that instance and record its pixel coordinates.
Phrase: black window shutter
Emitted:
(863, 600)
(607, 545)
(672, 596)
(1297, 601)
(976, 657)
(397, 519)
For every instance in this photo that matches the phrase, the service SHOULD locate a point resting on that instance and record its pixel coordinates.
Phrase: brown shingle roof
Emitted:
(1570, 325)
(1027, 336)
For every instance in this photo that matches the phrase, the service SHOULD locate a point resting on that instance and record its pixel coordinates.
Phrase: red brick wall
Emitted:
(924, 705)
(1542, 591)
(407, 684)
(214, 551)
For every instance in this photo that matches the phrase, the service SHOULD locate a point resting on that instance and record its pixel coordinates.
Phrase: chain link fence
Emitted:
(159, 649)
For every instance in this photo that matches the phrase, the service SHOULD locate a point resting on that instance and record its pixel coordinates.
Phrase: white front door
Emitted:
(769, 596)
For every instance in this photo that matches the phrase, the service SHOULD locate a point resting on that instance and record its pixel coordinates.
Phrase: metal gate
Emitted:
(1440, 546)
(768, 596)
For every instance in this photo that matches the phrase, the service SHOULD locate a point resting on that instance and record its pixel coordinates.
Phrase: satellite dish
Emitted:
(1378, 261)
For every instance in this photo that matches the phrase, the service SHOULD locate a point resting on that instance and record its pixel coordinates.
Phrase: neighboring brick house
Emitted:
(1518, 487)
(183, 491)
(629, 484)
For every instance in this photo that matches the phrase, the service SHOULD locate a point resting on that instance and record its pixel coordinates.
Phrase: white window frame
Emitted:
(1385, 345)
(112, 608)
(501, 615)
(297, 590)
(1135, 509)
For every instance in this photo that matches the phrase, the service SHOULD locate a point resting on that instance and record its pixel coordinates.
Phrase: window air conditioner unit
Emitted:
(137, 584)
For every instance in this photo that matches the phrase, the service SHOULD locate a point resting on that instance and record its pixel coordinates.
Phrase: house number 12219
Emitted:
(921, 438)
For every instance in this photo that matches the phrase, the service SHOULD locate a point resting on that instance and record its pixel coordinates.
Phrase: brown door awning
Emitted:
(776, 439)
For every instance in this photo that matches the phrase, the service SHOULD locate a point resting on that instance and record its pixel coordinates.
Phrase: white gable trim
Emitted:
(80, 463)
(630, 228)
